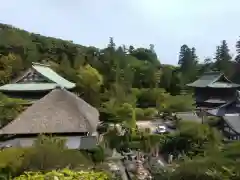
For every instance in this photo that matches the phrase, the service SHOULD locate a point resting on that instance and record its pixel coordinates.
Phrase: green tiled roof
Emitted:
(48, 73)
(206, 79)
(28, 87)
(210, 79)
(53, 76)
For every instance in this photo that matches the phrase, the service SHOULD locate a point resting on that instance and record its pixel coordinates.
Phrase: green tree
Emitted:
(223, 58)
(187, 61)
(237, 58)
(89, 82)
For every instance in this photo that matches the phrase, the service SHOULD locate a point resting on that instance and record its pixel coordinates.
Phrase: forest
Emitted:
(116, 78)
(120, 80)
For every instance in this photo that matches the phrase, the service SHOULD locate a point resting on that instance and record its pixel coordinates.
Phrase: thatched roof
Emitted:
(58, 112)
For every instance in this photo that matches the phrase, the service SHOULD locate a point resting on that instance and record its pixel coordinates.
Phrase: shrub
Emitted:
(11, 161)
(47, 154)
(64, 174)
(213, 121)
(150, 112)
(139, 113)
(50, 153)
(97, 154)
(179, 103)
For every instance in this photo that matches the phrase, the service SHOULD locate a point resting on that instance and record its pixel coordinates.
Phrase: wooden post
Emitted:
(203, 115)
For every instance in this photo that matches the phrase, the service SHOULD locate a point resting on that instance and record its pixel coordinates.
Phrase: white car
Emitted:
(161, 129)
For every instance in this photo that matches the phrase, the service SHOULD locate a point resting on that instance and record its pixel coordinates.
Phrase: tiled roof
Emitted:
(58, 112)
(28, 87)
(233, 122)
(232, 107)
(211, 79)
(53, 78)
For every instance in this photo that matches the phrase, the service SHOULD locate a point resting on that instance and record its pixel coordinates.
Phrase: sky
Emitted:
(167, 24)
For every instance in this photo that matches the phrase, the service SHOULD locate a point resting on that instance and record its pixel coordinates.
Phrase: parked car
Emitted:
(161, 129)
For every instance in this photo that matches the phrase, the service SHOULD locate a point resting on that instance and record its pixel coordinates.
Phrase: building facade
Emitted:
(213, 89)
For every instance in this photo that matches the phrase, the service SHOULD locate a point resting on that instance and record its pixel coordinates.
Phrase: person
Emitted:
(170, 159)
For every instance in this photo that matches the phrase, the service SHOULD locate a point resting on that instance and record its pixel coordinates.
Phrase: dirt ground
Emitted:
(146, 124)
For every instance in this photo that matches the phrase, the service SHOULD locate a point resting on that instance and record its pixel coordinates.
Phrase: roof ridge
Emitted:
(40, 64)
(217, 78)
(53, 76)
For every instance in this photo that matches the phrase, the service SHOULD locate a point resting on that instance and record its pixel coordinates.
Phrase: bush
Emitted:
(125, 110)
(213, 121)
(150, 112)
(11, 161)
(47, 154)
(64, 174)
(139, 113)
(97, 154)
(179, 103)
(50, 153)
(192, 139)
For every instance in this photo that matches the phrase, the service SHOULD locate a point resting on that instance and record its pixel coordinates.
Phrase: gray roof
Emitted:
(232, 107)
(213, 80)
(58, 112)
(233, 122)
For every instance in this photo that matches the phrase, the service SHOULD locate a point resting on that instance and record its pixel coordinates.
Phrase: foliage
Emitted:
(179, 103)
(64, 174)
(97, 154)
(192, 139)
(11, 160)
(51, 153)
(46, 154)
(139, 113)
(150, 112)
(9, 109)
(125, 84)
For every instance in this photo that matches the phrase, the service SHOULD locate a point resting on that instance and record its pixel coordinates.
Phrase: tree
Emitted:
(223, 58)
(90, 82)
(187, 62)
(111, 44)
(9, 109)
(49, 153)
(237, 58)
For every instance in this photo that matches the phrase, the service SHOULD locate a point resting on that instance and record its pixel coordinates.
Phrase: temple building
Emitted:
(213, 89)
(35, 83)
(59, 113)
(230, 114)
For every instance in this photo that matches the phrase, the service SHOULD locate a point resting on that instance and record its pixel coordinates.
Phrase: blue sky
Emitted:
(165, 23)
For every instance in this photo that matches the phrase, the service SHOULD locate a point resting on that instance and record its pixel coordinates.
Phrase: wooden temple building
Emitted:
(35, 83)
(213, 89)
(230, 114)
(215, 95)
(57, 112)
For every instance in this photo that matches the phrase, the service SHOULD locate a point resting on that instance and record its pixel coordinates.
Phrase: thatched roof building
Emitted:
(60, 111)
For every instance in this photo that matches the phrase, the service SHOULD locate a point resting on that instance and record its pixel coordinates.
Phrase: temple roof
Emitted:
(232, 107)
(233, 122)
(53, 78)
(213, 80)
(29, 87)
(60, 111)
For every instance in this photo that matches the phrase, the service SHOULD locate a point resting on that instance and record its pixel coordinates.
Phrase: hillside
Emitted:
(115, 78)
